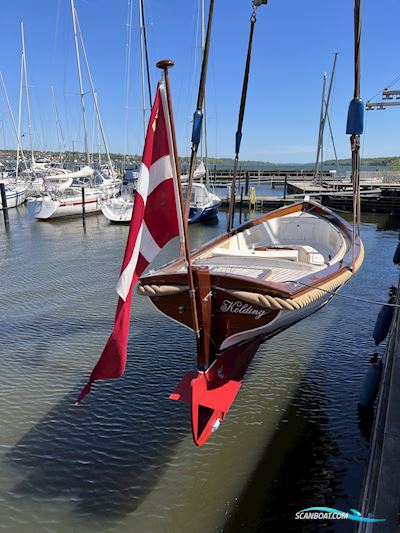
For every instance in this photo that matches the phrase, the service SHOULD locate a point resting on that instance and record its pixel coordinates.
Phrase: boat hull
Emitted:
(46, 209)
(248, 290)
(200, 214)
(118, 213)
(211, 393)
(15, 197)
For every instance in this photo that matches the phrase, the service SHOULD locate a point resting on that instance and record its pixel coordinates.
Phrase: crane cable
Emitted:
(238, 139)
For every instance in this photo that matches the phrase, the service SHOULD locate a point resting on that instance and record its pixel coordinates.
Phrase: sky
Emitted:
(294, 44)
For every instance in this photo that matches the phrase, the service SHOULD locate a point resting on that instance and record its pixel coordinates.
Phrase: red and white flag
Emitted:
(156, 219)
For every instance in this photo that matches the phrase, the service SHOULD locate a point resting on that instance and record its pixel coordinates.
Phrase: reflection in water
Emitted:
(272, 495)
(124, 459)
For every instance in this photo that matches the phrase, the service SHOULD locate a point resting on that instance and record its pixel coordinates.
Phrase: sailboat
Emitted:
(201, 203)
(238, 290)
(250, 284)
(61, 202)
(16, 193)
(119, 208)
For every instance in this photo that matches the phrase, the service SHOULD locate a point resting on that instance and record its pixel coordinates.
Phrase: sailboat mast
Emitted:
(328, 100)
(28, 107)
(12, 118)
(142, 67)
(198, 114)
(60, 134)
(82, 94)
(127, 74)
(19, 111)
(320, 131)
(94, 94)
(146, 50)
(203, 45)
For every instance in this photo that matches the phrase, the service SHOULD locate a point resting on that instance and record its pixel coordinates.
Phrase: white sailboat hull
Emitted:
(47, 208)
(117, 210)
(15, 196)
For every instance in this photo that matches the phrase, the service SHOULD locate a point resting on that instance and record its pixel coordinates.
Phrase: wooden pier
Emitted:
(381, 490)
(376, 197)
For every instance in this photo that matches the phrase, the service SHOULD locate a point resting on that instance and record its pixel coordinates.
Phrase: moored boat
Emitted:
(241, 288)
(203, 203)
(49, 207)
(16, 194)
(251, 283)
(117, 209)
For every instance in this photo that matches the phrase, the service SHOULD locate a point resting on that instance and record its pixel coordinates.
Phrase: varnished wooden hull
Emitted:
(238, 312)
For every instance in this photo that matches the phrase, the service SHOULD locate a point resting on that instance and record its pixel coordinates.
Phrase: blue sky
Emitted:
(294, 44)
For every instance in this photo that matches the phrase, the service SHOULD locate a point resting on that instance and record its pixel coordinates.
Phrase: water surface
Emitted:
(124, 459)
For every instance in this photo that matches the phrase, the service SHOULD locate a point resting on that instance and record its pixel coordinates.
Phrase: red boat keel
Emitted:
(212, 393)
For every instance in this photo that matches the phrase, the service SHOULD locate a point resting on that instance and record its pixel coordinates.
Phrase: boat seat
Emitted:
(272, 253)
(308, 254)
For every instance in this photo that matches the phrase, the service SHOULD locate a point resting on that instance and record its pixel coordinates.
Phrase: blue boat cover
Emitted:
(355, 117)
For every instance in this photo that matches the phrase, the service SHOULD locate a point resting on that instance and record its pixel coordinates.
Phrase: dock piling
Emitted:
(83, 205)
(4, 203)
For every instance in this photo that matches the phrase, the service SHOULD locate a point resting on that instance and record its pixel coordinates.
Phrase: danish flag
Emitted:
(156, 219)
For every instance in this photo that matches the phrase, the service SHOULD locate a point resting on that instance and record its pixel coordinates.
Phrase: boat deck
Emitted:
(256, 267)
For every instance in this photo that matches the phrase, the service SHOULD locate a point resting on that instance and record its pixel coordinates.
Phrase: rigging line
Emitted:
(127, 74)
(53, 61)
(395, 80)
(146, 51)
(198, 114)
(94, 94)
(355, 298)
(231, 211)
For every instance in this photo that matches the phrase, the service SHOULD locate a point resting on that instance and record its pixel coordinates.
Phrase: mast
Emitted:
(60, 134)
(321, 121)
(128, 73)
(28, 107)
(322, 125)
(12, 119)
(142, 66)
(94, 94)
(198, 114)
(146, 50)
(19, 111)
(82, 94)
(203, 45)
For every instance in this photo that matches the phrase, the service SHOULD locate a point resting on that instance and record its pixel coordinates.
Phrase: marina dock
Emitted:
(380, 497)
(336, 194)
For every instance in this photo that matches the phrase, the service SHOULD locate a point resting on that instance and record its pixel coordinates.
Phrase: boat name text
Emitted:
(241, 308)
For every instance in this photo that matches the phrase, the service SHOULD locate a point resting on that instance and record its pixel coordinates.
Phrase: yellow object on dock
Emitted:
(252, 197)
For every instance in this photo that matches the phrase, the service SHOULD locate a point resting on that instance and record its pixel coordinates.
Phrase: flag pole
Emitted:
(165, 65)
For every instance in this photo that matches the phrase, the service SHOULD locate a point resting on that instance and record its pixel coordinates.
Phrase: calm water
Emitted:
(124, 459)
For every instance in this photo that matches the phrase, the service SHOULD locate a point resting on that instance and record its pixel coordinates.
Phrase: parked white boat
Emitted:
(49, 207)
(117, 209)
(15, 194)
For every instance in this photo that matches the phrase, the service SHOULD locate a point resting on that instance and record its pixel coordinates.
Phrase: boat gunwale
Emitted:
(167, 274)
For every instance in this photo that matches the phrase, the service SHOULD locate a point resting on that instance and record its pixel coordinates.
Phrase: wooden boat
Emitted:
(251, 283)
